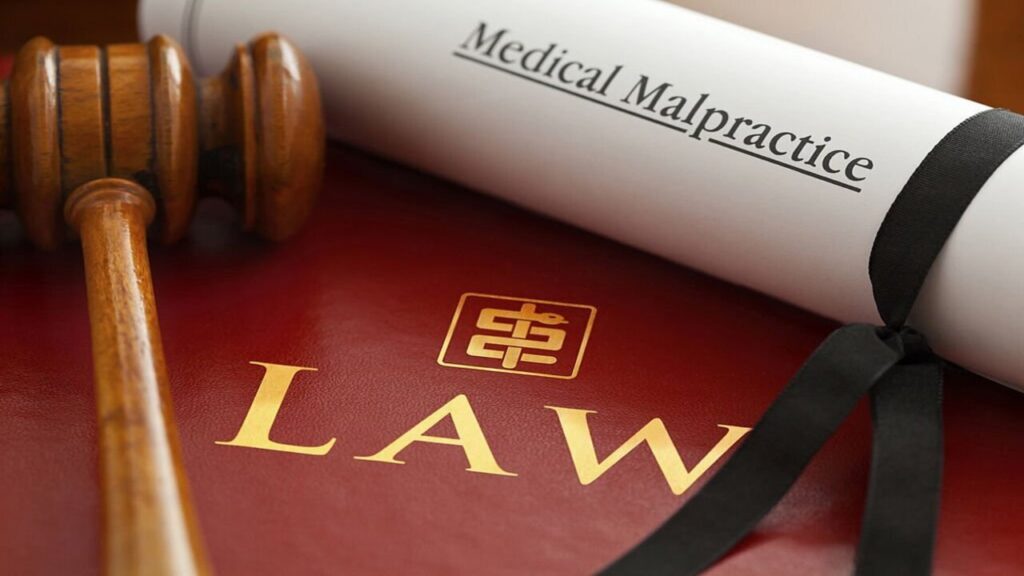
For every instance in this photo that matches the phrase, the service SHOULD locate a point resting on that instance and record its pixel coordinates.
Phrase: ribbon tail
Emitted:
(901, 516)
(803, 417)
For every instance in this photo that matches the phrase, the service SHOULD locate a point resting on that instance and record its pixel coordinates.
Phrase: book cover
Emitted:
(429, 381)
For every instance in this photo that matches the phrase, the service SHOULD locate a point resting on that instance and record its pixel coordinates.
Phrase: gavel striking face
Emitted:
(101, 143)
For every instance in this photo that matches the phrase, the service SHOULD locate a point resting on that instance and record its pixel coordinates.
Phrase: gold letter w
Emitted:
(589, 468)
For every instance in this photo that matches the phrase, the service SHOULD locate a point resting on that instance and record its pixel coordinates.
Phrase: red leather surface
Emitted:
(366, 295)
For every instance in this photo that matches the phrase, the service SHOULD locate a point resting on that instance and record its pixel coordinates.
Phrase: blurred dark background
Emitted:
(995, 76)
(66, 21)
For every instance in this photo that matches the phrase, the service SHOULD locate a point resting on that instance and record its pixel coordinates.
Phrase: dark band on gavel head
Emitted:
(252, 135)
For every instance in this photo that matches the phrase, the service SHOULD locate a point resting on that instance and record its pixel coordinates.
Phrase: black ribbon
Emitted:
(893, 362)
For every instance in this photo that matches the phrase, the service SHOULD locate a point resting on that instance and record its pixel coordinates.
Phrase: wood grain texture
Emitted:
(149, 524)
(35, 142)
(262, 136)
(174, 141)
(83, 142)
(227, 135)
(130, 111)
(289, 136)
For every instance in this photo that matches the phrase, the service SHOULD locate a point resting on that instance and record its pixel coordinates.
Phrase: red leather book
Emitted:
(451, 331)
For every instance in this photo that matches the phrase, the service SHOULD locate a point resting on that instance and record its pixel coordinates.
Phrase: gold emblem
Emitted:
(518, 336)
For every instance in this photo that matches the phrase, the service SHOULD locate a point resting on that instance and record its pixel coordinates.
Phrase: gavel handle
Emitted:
(148, 520)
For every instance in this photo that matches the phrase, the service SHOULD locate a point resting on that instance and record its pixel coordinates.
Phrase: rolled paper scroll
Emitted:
(751, 159)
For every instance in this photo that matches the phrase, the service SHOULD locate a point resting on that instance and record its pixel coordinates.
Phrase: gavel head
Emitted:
(253, 135)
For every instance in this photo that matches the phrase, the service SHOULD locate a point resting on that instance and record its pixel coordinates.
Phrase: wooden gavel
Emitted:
(101, 143)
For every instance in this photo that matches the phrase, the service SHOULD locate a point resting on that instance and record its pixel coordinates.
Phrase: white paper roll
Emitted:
(927, 41)
(752, 159)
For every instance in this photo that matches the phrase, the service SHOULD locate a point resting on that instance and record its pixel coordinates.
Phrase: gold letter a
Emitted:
(469, 437)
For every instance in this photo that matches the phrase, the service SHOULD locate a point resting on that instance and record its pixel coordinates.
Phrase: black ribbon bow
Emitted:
(893, 362)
